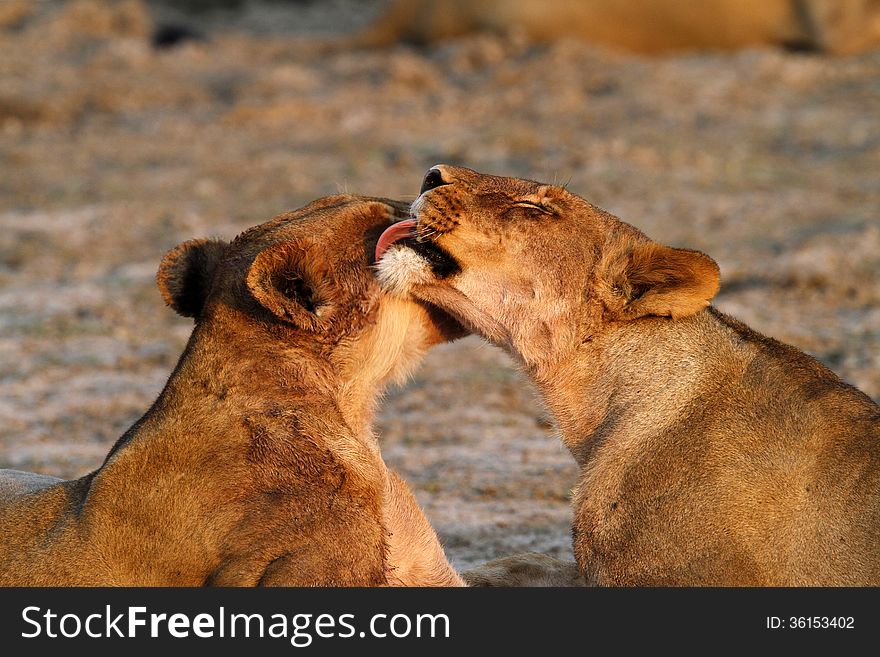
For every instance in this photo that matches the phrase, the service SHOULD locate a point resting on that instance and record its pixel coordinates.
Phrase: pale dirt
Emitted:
(112, 152)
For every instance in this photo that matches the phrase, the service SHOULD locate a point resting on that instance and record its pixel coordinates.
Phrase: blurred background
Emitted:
(749, 130)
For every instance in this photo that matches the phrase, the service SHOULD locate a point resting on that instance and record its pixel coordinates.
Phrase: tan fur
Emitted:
(528, 569)
(646, 26)
(415, 556)
(709, 454)
(257, 463)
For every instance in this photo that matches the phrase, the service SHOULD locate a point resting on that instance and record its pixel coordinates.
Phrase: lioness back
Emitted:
(15, 482)
(647, 26)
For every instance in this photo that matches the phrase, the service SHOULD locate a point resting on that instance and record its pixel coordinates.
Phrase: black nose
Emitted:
(432, 179)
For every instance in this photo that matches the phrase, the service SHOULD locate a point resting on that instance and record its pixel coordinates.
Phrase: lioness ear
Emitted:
(646, 278)
(185, 274)
(290, 287)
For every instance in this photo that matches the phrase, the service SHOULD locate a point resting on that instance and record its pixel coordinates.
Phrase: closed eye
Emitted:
(533, 206)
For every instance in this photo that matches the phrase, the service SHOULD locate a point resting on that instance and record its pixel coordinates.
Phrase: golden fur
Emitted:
(646, 26)
(709, 454)
(257, 464)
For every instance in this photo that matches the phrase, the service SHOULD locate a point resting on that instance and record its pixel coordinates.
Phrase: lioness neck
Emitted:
(236, 371)
(387, 352)
(636, 378)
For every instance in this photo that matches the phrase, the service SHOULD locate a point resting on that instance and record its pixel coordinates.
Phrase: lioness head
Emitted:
(533, 267)
(305, 279)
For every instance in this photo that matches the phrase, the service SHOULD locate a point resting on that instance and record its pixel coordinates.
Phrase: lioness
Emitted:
(256, 465)
(709, 454)
(646, 26)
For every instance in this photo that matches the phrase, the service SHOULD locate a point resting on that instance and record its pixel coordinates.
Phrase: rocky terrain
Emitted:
(112, 151)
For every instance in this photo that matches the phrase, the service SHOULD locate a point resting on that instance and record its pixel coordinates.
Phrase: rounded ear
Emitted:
(293, 289)
(185, 274)
(642, 278)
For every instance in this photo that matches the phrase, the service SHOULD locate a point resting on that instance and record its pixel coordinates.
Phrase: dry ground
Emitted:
(111, 152)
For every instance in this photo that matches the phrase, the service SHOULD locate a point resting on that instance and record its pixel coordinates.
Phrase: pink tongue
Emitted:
(395, 233)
